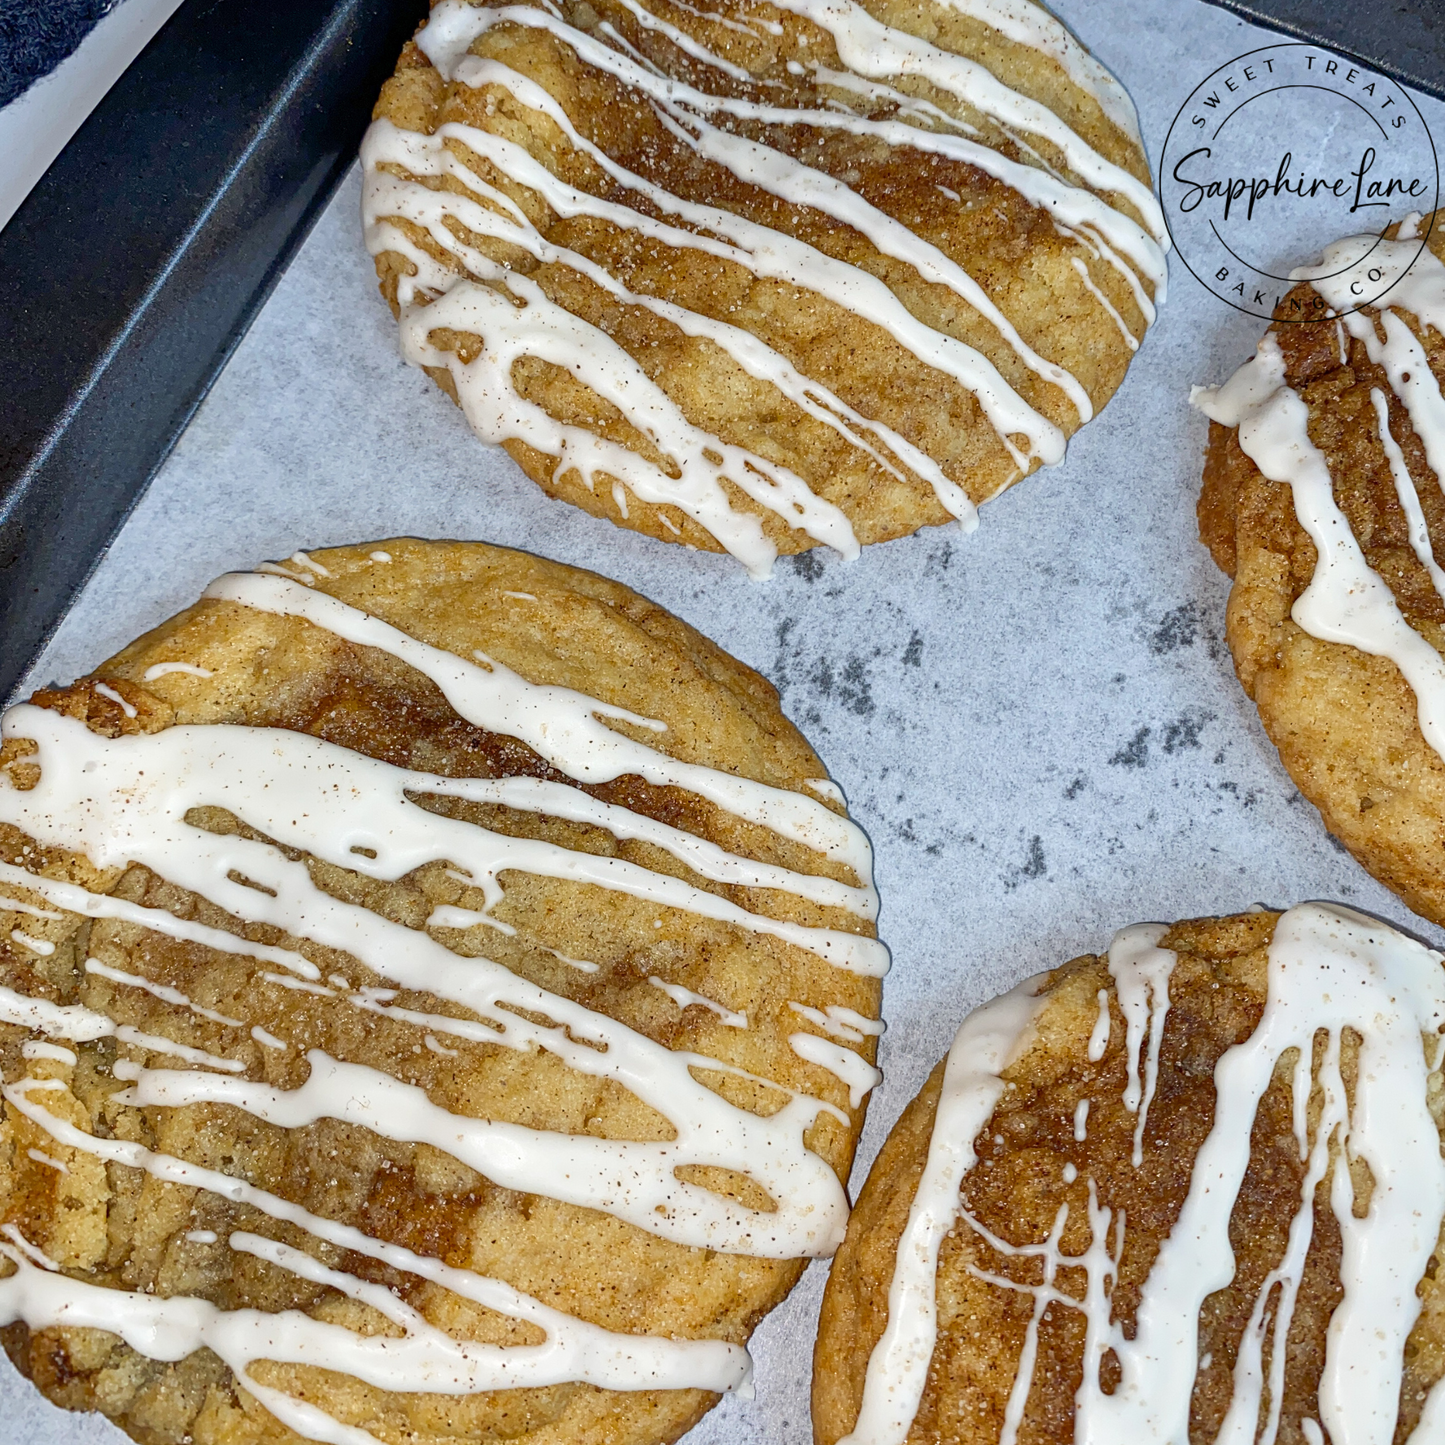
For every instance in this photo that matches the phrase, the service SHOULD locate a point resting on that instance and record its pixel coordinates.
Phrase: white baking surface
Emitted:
(1038, 724)
(36, 125)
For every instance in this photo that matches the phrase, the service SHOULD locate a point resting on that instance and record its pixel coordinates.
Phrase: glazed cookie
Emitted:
(1323, 499)
(1188, 1191)
(438, 993)
(758, 276)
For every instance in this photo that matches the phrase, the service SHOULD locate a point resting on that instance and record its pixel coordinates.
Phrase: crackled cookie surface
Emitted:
(1188, 1190)
(1323, 499)
(438, 992)
(757, 277)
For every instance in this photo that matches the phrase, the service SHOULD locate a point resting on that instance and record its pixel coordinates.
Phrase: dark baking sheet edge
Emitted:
(138, 262)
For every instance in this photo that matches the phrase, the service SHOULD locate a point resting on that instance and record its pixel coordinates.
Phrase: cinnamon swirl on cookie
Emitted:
(438, 994)
(759, 276)
(1189, 1191)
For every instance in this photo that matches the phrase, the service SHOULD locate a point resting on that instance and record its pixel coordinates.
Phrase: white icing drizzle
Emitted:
(855, 1071)
(550, 332)
(989, 1040)
(694, 117)
(1140, 970)
(1409, 498)
(123, 801)
(287, 783)
(684, 997)
(39, 1049)
(575, 1349)
(1081, 266)
(1081, 1121)
(88, 800)
(165, 669)
(564, 726)
(74, 1021)
(877, 52)
(1031, 25)
(386, 195)
(1099, 1038)
(791, 180)
(16, 905)
(106, 691)
(1329, 969)
(444, 915)
(42, 1158)
(841, 1023)
(167, 994)
(99, 905)
(35, 945)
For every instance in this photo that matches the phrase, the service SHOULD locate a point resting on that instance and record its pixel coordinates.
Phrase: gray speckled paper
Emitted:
(1038, 724)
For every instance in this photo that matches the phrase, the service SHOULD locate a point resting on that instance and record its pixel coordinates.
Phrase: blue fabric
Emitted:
(36, 35)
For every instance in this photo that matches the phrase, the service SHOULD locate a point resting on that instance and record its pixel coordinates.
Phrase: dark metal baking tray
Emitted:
(136, 265)
(1403, 40)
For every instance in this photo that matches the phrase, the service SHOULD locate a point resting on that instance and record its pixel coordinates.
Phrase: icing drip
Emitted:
(1099, 1039)
(73, 1021)
(478, 299)
(164, 992)
(164, 669)
(1409, 498)
(1140, 970)
(841, 1023)
(989, 1040)
(124, 801)
(116, 698)
(855, 1071)
(1329, 970)
(685, 997)
(1130, 340)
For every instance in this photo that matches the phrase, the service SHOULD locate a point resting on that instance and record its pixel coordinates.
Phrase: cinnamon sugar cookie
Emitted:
(438, 991)
(759, 276)
(1323, 499)
(1188, 1191)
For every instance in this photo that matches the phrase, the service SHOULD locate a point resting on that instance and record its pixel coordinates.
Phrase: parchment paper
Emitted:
(1038, 725)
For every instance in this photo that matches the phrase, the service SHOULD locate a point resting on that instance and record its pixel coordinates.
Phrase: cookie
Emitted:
(1191, 1190)
(1322, 499)
(438, 996)
(757, 277)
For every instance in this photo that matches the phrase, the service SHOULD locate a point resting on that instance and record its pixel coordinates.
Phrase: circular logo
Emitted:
(1280, 152)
